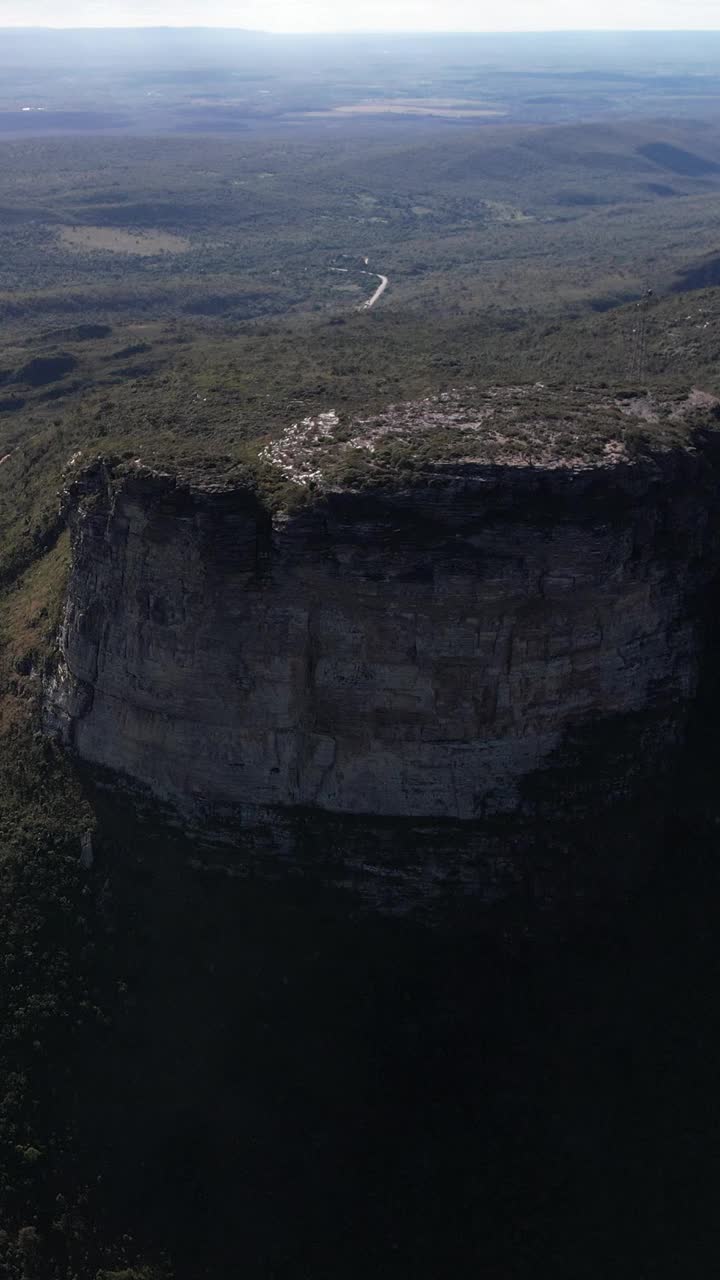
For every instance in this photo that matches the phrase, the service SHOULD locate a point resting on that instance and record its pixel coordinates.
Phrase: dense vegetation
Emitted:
(494, 221)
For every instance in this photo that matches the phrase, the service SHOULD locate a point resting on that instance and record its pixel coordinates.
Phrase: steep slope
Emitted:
(465, 661)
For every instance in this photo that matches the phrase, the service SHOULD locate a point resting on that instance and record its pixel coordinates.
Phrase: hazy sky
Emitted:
(345, 15)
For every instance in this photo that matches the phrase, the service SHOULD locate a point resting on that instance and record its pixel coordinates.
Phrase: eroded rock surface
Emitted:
(492, 651)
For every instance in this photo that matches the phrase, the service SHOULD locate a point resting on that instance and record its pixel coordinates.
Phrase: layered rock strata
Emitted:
(468, 677)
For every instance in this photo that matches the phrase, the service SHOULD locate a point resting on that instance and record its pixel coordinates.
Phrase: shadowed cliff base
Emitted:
(581, 845)
(368, 1096)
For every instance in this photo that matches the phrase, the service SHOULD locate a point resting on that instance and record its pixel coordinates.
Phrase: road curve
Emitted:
(384, 282)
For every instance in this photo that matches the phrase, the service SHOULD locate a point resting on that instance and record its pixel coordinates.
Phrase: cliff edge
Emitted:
(463, 663)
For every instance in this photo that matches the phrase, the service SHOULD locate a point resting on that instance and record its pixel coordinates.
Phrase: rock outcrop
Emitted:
(466, 676)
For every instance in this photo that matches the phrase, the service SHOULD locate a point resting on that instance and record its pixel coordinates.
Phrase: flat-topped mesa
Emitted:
(517, 427)
(463, 665)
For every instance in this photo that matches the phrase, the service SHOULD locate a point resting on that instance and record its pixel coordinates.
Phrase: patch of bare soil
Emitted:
(142, 244)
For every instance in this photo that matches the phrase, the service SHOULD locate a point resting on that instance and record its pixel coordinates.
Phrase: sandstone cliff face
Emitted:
(492, 653)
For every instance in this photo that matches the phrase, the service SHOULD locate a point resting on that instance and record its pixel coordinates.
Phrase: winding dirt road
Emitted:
(384, 282)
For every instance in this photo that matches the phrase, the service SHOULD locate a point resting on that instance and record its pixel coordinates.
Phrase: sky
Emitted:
(370, 15)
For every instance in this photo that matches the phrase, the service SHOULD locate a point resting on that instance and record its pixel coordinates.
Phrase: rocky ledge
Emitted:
(462, 666)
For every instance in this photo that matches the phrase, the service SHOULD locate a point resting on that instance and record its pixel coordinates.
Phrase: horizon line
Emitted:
(370, 31)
